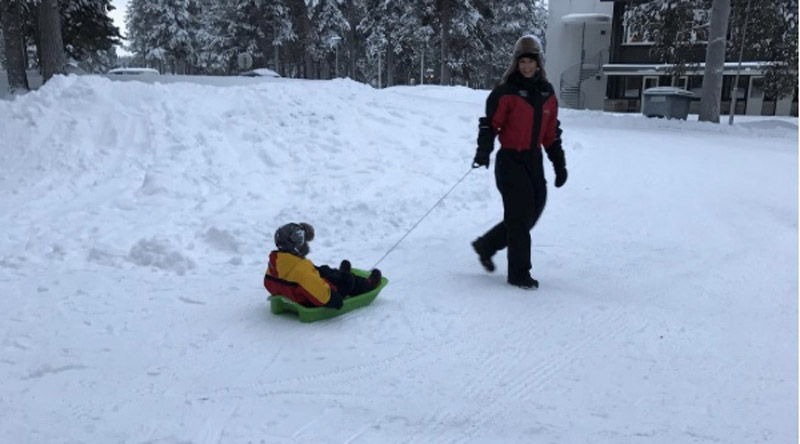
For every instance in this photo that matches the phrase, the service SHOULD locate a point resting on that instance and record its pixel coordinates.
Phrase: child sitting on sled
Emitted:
(291, 275)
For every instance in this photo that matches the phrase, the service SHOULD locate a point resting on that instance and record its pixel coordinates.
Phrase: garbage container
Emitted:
(667, 101)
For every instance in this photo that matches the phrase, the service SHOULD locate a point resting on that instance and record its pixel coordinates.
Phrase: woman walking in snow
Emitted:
(523, 112)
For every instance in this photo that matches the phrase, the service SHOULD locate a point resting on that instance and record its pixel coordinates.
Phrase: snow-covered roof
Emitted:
(580, 18)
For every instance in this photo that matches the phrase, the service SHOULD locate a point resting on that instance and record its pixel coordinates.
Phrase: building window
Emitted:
(727, 86)
(696, 85)
(757, 88)
(649, 82)
(681, 82)
(633, 86)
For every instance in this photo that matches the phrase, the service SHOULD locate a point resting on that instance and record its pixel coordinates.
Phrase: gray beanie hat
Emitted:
(526, 46)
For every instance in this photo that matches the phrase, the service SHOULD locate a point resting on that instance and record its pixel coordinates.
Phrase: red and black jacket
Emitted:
(523, 113)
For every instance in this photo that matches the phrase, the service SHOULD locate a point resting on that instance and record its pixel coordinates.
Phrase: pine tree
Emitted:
(160, 31)
(675, 27)
(51, 43)
(466, 50)
(353, 39)
(2, 43)
(13, 41)
(89, 33)
(222, 33)
(772, 37)
(328, 23)
(390, 36)
(223, 30)
(505, 23)
(461, 27)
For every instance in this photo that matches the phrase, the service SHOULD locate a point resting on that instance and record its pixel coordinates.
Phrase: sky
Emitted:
(118, 14)
(137, 219)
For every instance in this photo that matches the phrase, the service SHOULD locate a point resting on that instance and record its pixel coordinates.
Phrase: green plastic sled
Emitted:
(279, 304)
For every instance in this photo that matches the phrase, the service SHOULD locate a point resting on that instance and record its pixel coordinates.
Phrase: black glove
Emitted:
(556, 155)
(561, 177)
(485, 143)
(481, 160)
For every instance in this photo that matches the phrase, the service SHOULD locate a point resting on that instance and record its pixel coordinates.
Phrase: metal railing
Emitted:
(572, 78)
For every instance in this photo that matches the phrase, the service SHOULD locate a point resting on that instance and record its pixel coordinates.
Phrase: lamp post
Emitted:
(422, 63)
(335, 41)
(422, 68)
(379, 71)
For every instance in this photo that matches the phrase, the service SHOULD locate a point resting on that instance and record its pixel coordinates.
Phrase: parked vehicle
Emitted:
(133, 71)
(260, 72)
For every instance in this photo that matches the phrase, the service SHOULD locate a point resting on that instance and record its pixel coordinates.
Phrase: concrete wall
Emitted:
(564, 44)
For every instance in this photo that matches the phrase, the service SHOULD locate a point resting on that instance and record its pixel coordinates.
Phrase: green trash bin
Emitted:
(667, 102)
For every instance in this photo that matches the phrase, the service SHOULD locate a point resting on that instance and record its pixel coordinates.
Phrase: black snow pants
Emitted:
(348, 284)
(520, 178)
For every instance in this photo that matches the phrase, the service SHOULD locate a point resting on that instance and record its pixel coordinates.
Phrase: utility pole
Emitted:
(336, 39)
(422, 68)
(379, 70)
(276, 45)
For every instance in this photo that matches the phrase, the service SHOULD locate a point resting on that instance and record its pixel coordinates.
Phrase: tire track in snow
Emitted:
(542, 374)
(518, 390)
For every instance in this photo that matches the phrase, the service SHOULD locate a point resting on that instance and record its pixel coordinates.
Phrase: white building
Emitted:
(595, 61)
(578, 43)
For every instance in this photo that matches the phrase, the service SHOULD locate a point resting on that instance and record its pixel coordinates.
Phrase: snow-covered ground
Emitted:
(136, 219)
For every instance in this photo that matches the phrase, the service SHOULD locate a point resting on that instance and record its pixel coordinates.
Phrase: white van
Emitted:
(133, 71)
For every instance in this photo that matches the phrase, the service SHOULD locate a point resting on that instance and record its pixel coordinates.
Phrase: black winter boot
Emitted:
(485, 259)
(374, 279)
(345, 266)
(524, 282)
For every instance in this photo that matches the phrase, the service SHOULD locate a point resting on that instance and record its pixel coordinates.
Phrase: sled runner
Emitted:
(279, 304)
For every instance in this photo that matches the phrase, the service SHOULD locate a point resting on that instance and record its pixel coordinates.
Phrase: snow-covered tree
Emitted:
(51, 43)
(465, 49)
(226, 29)
(352, 47)
(329, 23)
(89, 33)
(2, 44)
(505, 23)
(160, 31)
(771, 36)
(391, 36)
(676, 27)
